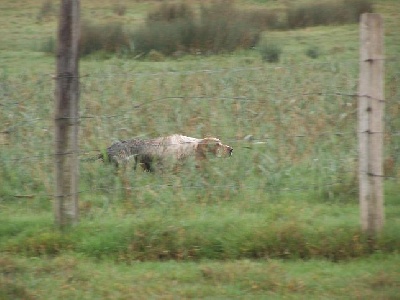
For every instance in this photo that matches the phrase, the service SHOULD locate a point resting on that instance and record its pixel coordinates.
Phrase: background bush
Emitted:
(223, 28)
(218, 28)
(47, 9)
(168, 12)
(215, 28)
(270, 52)
(327, 12)
(119, 8)
(313, 52)
(164, 37)
(264, 18)
(109, 37)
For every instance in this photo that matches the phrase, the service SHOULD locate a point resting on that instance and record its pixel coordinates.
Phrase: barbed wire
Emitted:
(214, 97)
(223, 70)
(233, 187)
(248, 141)
(49, 77)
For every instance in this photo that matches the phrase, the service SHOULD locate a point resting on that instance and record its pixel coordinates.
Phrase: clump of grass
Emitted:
(270, 52)
(157, 238)
(168, 12)
(168, 28)
(357, 7)
(263, 18)
(109, 37)
(155, 56)
(220, 27)
(313, 52)
(102, 38)
(47, 9)
(119, 8)
(326, 13)
(41, 243)
(48, 46)
(223, 28)
(164, 37)
(9, 289)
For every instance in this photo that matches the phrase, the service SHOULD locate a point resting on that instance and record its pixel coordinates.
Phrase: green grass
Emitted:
(70, 276)
(278, 220)
(168, 223)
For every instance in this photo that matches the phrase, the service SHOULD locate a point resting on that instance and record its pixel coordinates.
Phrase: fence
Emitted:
(280, 122)
(370, 119)
(292, 126)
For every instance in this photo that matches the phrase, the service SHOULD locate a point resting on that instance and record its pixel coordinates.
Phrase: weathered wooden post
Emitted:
(371, 129)
(66, 115)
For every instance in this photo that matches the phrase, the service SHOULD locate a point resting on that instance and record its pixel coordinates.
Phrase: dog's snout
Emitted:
(230, 149)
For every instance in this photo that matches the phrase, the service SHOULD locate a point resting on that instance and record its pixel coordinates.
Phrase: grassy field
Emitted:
(73, 277)
(278, 220)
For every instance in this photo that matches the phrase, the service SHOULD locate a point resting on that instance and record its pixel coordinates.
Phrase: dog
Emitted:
(157, 153)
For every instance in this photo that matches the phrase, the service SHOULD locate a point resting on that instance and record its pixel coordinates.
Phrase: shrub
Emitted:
(119, 8)
(10, 289)
(328, 12)
(270, 52)
(223, 28)
(173, 28)
(263, 18)
(168, 12)
(168, 29)
(46, 10)
(313, 52)
(357, 7)
(44, 243)
(49, 45)
(108, 37)
(154, 55)
(164, 37)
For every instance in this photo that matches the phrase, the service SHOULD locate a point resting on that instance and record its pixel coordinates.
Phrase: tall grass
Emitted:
(108, 38)
(246, 206)
(270, 52)
(220, 27)
(290, 184)
(224, 231)
(327, 12)
(47, 9)
(289, 191)
(173, 29)
(319, 152)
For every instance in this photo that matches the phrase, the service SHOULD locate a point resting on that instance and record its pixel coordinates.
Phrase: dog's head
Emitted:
(215, 147)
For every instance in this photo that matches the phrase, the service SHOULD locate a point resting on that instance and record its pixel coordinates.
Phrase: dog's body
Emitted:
(156, 153)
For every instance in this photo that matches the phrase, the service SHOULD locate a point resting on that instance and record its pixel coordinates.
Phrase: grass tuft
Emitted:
(219, 28)
(313, 52)
(270, 52)
(119, 8)
(110, 38)
(47, 9)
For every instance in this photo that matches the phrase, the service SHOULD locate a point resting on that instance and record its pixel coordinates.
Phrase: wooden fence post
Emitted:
(371, 129)
(66, 115)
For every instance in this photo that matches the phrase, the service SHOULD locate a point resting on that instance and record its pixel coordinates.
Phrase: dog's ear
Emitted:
(201, 149)
(204, 147)
(208, 145)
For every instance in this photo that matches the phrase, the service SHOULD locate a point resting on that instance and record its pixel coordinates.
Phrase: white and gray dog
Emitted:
(152, 154)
